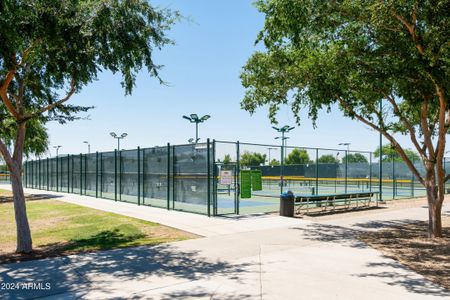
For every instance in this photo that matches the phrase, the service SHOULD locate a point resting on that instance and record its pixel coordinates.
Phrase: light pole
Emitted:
(346, 162)
(283, 130)
(346, 144)
(270, 148)
(114, 135)
(89, 146)
(57, 149)
(193, 118)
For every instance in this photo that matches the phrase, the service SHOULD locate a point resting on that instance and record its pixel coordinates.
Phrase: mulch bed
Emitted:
(408, 243)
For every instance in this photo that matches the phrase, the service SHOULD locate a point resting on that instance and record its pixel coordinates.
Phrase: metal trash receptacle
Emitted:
(287, 204)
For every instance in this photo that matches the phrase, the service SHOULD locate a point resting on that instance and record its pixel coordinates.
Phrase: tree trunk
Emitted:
(434, 213)
(24, 242)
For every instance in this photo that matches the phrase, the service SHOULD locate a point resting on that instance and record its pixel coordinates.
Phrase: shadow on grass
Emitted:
(29, 197)
(107, 239)
(107, 272)
(104, 240)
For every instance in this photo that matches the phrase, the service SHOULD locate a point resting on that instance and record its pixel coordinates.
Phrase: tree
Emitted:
(355, 158)
(297, 157)
(389, 154)
(274, 162)
(383, 63)
(226, 159)
(252, 159)
(52, 49)
(327, 159)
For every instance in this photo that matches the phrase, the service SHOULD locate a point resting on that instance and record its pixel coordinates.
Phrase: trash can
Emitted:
(287, 204)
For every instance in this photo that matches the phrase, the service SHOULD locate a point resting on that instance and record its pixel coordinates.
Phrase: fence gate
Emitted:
(226, 189)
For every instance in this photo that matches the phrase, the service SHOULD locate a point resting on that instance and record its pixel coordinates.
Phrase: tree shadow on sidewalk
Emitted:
(393, 271)
(76, 274)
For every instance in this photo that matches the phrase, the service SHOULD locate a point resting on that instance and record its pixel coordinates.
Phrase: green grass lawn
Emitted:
(60, 228)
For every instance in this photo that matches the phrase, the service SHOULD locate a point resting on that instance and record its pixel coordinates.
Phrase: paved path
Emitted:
(252, 258)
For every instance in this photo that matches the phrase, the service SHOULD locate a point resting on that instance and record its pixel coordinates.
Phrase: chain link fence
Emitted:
(191, 177)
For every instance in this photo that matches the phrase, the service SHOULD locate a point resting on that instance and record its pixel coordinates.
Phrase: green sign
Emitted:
(246, 184)
(256, 180)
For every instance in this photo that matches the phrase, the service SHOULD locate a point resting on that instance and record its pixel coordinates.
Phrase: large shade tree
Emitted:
(383, 63)
(50, 50)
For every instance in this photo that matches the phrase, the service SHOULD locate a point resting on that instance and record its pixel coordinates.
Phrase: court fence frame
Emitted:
(187, 177)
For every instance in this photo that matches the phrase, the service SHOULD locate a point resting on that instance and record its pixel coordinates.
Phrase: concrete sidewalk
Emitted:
(199, 224)
(252, 258)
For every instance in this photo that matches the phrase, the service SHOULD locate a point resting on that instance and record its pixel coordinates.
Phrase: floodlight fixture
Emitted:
(193, 118)
(118, 138)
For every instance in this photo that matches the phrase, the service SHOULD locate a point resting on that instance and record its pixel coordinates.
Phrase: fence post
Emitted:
(81, 174)
(39, 162)
(139, 174)
(120, 175)
(208, 162)
(317, 171)
(115, 175)
(85, 173)
(238, 177)
(412, 178)
(101, 174)
(346, 169)
(393, 177)
(71, 172)
(174, 171)
(214, 191)
(143, 176)
(96, 174)
(370, 172)
(168, 176)
(68, 173)
(48, 175)
(57, 174)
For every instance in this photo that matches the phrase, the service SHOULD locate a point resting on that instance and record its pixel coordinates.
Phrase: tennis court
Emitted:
(197, 178)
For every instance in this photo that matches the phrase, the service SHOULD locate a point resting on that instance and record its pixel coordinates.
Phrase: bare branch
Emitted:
(411, 27)
(427, 134)
(55, 104)
(387, 135)
(412, 131)
(446, 178)
(5, 153)
(4, 94)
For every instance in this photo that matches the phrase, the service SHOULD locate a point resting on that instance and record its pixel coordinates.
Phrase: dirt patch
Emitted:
(7, 197)
(408, 243)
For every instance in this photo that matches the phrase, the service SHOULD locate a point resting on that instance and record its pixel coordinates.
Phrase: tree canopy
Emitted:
(252, 159)
(355, 158)
(49, 51)
(389, 154)
(327, 159)
(297, 157)
(383, 63)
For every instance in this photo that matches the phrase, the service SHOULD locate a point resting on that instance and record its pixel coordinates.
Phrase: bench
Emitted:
(334, 201)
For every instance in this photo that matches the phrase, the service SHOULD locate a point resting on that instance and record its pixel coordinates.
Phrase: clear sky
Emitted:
(202, 70)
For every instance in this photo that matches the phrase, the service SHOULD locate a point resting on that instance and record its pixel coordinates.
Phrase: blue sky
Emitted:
(203, 74)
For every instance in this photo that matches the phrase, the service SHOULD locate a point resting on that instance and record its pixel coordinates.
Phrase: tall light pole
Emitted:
(193, 118)
(346, 162)
(380, 182)
(89, 146)
(57, 149)
(270, 148)
(114, 135)
(283, 130)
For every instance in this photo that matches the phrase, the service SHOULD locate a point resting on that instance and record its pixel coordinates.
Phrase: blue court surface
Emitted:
(222, 203)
